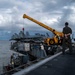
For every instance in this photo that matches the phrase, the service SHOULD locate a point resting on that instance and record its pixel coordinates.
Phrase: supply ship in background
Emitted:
(29, 49)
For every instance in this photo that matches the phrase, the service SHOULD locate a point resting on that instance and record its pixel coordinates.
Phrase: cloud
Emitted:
(53, 13)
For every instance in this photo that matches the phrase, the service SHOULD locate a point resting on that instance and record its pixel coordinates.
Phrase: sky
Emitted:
(53, 13)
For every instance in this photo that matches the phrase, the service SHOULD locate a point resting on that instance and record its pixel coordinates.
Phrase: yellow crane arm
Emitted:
(43, 25)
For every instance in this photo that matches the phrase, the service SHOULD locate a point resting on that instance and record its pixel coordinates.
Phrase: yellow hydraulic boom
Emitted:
(50, 41)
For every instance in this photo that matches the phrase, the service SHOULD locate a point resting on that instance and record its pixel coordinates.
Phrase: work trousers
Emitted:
(67, 43)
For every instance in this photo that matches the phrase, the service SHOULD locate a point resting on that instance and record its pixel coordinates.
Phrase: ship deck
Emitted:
(58, 65)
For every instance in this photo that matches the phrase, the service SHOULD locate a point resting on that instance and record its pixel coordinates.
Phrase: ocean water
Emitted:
(5, 53)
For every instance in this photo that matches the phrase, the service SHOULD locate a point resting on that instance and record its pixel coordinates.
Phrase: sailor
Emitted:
(42, 48)
(67, 31)
(12, 60)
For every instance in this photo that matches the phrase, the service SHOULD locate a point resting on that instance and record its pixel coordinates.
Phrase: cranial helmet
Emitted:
(66, 23)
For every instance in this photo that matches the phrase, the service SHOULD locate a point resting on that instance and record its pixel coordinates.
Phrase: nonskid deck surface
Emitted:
(61, 65)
